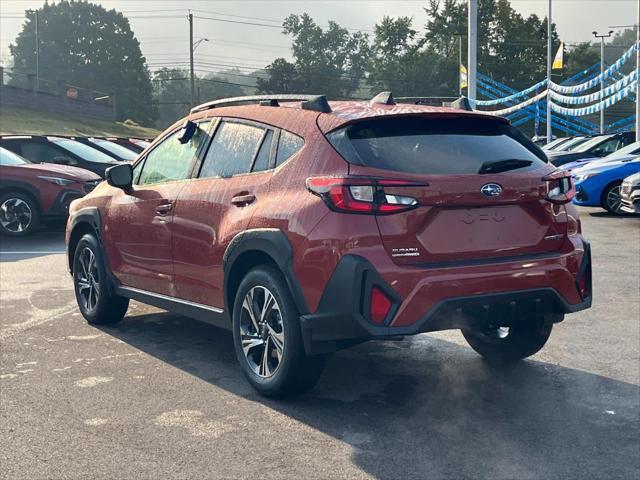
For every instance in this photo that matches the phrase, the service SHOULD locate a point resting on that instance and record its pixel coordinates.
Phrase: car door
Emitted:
(215, 207)
(139, 223)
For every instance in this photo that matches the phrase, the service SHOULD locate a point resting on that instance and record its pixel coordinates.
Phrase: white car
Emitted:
(630, 194)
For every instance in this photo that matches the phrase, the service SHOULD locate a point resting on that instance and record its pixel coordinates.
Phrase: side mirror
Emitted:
(120, 176)
(61, 160)
(188, 129)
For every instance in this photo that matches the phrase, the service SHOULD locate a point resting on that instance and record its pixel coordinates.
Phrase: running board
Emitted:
(204, 313)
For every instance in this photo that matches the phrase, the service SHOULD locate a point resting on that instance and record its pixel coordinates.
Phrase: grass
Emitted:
(18, 121)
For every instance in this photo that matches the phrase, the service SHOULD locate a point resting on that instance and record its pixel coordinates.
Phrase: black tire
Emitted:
(106, 307)
(608, 194)
(295, 372)
(15, 207)
(520, 342)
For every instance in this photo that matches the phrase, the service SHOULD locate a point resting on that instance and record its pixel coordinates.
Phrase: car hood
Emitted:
(600, 167)
(63, 171)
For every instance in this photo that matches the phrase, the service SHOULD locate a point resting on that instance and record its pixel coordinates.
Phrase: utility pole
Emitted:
(602, 37)
(549, 53)
(193, 84)
(472, 58)
(459, 64)
(37, 53)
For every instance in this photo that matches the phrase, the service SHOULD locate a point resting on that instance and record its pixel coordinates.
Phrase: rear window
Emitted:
(436, 145)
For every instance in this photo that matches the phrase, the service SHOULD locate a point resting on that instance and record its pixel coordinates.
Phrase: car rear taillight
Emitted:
(380, 306)
(560, 187)
(362, 195)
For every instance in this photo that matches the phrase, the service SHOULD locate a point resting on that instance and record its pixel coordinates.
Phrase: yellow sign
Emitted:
(463, 77)
(558, 61)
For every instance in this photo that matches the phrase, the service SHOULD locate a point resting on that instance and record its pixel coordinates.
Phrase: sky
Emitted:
(162, 27)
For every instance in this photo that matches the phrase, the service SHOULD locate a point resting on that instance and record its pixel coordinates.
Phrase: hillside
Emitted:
(31, 122)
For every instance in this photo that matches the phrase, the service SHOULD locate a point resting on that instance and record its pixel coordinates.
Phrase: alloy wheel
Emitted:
(88, 280)
(15, 215)
(262, 331)
(614, 201)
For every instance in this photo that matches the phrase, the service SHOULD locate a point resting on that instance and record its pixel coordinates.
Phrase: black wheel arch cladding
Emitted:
(275, 245)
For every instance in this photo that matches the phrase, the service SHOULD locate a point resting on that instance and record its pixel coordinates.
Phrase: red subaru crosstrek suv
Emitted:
(307, 226)
(32, 192)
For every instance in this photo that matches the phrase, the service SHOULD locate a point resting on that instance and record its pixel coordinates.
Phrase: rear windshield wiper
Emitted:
(503, 165)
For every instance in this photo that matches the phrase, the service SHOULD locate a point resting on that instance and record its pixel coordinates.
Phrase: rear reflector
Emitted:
(380, 306)
(362, 195)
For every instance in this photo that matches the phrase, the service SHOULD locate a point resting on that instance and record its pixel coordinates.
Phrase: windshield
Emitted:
(555, 143)
(83, 151)
(436, 146)
(589, 144)
(114, 148)
(571, 143)
(7, 158)
(628, 150)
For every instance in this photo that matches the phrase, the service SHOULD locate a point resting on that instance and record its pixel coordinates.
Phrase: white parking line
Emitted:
(32, 253)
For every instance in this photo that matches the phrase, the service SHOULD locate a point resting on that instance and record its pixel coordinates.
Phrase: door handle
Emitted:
(241, 200)
(164, 208)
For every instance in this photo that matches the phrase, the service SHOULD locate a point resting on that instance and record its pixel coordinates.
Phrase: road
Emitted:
(161, 396)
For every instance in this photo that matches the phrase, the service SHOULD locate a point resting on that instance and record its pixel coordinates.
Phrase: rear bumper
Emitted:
(341, 319)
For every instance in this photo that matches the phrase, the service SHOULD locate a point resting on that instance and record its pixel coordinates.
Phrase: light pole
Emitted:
(472, 58)
(191, 68)
(197, 43)
(638, 75)
(191, 63)
(549, 53)
(602, 37)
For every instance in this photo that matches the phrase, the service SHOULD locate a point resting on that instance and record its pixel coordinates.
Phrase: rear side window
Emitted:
(264, 154)
(288, 146)
(438, 146)
(232, 150)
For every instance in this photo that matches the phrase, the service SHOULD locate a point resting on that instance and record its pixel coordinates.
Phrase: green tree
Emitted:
(172, 92)
(331, 61)
(579, 58)
(511, 48)
(402, 63)
(86, 45)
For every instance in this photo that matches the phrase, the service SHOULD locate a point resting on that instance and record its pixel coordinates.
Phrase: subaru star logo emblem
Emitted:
(491, 190)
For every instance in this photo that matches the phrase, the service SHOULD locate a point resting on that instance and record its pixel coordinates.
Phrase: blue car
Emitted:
(629, 151)
(598, 184)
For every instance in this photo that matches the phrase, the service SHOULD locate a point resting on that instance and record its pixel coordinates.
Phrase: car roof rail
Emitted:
(430, 101)
(317, 103)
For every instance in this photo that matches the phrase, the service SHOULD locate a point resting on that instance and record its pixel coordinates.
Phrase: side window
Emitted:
(232, 150)
(609, 146)
(288, 146)
(42, 152)
(171, 160)
(264, 154)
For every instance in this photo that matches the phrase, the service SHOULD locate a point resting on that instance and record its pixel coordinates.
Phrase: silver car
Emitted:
(630, 194)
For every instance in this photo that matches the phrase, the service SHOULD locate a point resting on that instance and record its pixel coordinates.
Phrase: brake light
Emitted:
(560, 187)
(362, 195)
(380, 306)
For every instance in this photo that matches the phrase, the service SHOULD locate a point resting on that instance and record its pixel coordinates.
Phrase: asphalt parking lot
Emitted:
(161, 396)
